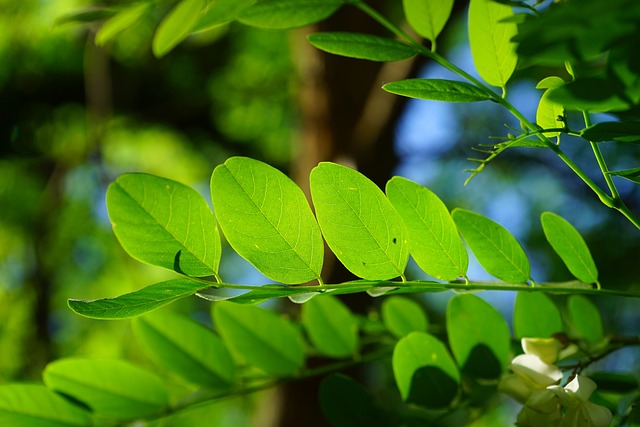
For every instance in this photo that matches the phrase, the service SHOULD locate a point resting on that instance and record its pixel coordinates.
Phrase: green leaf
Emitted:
(164, 223)
(478, 336)
(427, 17)
(121, 21)
(111, 388)
(187, 348)
(362, 46)
(285, 14)
(434, 242)
(569, 244)
(260, 337)
(34, 405)
(331, 327)
(632, 175)
(85, 16)
(424, 371)
(495, 248)
(437, 90)
(549, 113)
(402, 316)
(347, 403)
(536, 316)
(138, 302)
(612, 131)
(615, 382)
(550, 82)
(585, 319)
(358, 222)
(176, 26)
(267, 220)
(494, 54)
(220, 12)
(595, 94)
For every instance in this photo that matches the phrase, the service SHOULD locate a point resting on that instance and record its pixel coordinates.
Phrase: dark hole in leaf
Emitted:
(482, 363)
(176, 263)
(395, 241)
(432, 388)
(363, 263)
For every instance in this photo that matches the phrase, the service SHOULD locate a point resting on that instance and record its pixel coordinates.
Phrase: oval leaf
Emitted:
(585, 319)
(612, 131)
(267, 220)
(332, 328)
(260, 337)
(361, 46)
(569, 244)
(536, 316)
(550, 82)
(402, 316)
(550, 114)
(495, 248)
(111, 388)
(427, 17)
(187, 348)
(220, 12)
(285, 14)
(424, 371)
(176, 26)
(434, 242)
(437, 90)
(494, 54)
(358, 222)
(34, 405)
(478, 336)
(120, 22)
(138, 302)
(164, 223)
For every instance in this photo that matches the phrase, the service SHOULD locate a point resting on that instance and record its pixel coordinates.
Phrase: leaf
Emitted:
(550, 114)
(121, 21)
(437, 90)
(536, 316)
(286, 14)
(424, 371)
(494, 54)
(220, 12)
(164, 223)
(267, 220)
(111, 388)
(138, 302)
(85, 16)
(427, 17)
(34, 405)
(615, 382)
(358, 222)
(632, 175)
(569, 244)
(585, 319)
(550, 82)
(402, 316)
(260, 337)
(478, 336)
(612, 131)
(495, 248)
(347, 403)
(176, 26)
(595, 94)
(331, 327)
(187, 348)
(362, 46)
(434, 242)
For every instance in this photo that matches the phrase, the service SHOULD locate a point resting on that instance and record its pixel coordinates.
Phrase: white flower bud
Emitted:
(547, 349)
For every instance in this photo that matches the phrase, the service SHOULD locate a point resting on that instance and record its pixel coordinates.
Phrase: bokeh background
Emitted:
(74, 116)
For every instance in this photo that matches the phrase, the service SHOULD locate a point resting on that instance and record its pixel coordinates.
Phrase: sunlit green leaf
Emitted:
(260, 337)
(585, 319)
(550, 82)
(569, 244)
(176, 26)
(630, 174)
(612, 131)
(495, 248)
(138, 302)
(596, 94)
(362, 46)
(187, 348)
(85, 16)
(120, 22)
(427, 17)
(331, 327)
(267, 220)
(424, 371)
(437, 90)
(285, 14)
(550, 114)
(402, 316)
(478, 336)
(347, 403)
(358, 222)
(164, 223)
(220, 12)
(536, 316)
(434, 242)
(34, 405)
(494, 54)
(112, 388)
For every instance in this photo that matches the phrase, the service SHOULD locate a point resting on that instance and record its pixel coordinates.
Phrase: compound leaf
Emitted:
(285, 14)
(427, 17)
(437, 90)
(362, 46)
(331, 327)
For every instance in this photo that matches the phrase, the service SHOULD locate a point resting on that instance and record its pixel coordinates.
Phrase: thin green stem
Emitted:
(601, 162)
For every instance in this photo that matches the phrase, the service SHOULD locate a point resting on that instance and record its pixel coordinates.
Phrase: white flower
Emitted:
(542, 409)
(580, 411)
(547, 349)
(530, 373)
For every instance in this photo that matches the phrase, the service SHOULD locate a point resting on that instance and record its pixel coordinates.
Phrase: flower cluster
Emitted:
(534, 381)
